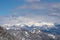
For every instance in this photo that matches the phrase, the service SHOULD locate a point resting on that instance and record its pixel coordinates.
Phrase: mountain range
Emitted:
(31, 32)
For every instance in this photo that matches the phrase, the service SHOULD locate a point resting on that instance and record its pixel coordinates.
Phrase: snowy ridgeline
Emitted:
(18, 33)
(45, 27)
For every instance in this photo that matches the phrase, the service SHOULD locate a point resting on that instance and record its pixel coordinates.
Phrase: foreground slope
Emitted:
(23, 34)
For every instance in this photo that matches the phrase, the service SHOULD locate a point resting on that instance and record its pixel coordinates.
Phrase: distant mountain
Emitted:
(55, 30)
(45, 27)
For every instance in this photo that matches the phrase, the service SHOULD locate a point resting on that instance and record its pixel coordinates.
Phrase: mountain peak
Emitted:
(30, 24)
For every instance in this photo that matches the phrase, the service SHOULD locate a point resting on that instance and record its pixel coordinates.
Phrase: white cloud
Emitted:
(48, 13)
(32, 7)
(32, 0)
(37, 21)
(24, 20)
(36, 12)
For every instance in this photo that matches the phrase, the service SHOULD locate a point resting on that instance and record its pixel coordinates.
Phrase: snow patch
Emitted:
(53, 36)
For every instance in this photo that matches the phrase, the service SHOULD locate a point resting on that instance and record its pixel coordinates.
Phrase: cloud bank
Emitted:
(34, 11)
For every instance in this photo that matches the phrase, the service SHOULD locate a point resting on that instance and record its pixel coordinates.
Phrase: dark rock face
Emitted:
(23, 34)
(4, 35)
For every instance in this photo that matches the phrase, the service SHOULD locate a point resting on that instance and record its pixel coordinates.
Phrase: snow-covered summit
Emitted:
(30, 24)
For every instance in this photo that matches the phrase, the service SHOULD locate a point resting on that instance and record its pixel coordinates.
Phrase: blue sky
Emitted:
(31, 10)
(7, 5)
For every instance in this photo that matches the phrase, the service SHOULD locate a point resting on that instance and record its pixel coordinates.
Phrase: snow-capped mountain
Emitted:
(53, 28)
(24, 34)
(37, 31)
(31, 24)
